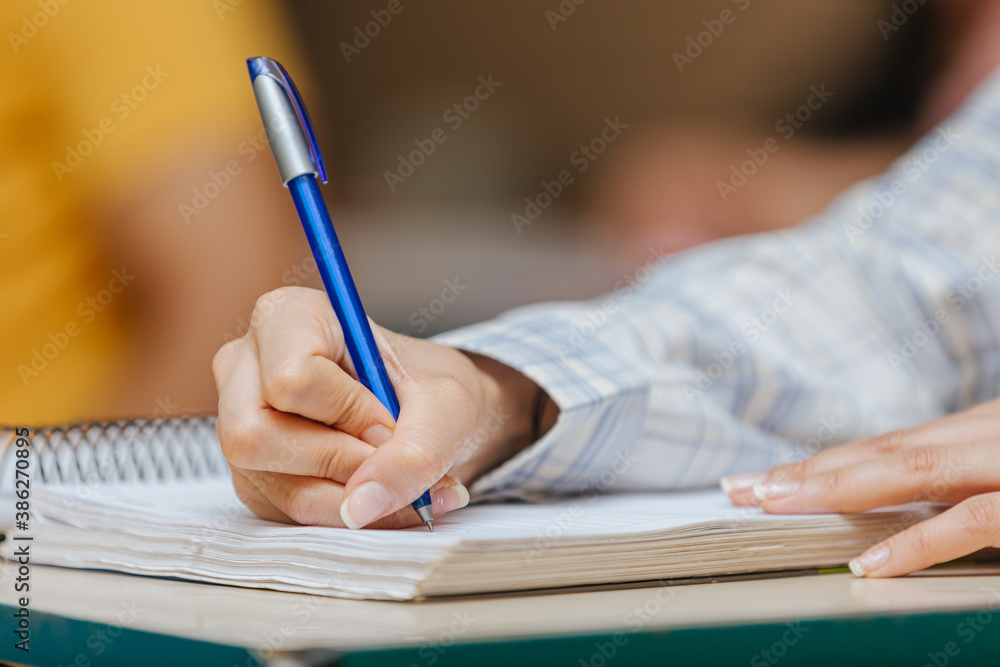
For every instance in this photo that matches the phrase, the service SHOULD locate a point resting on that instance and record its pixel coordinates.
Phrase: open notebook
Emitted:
(154, 498)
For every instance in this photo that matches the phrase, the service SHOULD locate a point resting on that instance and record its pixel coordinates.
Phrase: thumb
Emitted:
(398, 472)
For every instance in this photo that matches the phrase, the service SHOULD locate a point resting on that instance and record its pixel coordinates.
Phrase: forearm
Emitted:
(748, 353)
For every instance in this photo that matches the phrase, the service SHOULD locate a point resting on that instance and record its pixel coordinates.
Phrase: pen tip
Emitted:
(430, 526)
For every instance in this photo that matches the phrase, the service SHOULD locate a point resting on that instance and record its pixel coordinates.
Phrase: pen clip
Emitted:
(262, 66)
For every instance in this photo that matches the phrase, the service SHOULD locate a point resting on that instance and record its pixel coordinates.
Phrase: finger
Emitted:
(422, 448)
(254, 500)
(931, 473)
(277, 442)
(969, 526)
(316, 502)
(253, 436)
(303, 361)
(972, 426)
(740, 487)
(956, 429)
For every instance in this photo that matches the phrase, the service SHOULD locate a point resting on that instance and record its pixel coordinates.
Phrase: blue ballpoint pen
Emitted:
(296, 152)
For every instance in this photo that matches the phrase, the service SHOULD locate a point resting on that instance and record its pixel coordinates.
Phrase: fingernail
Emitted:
(869, 561)
(376, 435)
(451, 498)
(367, 503)
(775, 490)
(744, 497)
(734, 482)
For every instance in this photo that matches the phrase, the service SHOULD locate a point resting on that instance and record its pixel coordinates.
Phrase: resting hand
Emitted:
(951, 460)
(306, 442)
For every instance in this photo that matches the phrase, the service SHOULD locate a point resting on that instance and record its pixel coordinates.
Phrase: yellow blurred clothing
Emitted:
(97, 96)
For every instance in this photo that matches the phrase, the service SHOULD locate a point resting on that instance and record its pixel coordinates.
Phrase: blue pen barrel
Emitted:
(344, 295)
(340, 287)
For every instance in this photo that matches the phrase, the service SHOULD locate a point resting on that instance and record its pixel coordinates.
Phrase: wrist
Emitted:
(513, 412)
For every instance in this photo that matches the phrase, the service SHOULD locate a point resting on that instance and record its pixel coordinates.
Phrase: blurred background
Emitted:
(482, 156)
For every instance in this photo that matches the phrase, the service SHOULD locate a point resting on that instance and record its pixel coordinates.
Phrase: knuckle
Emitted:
(982, 514)
(333, 465)
(303, 504)
(921, 542)
(833, 483)
(224, 358)
(283, 386)
(890, 443)
(349, 406)
(268, 303)
(921, 462)
(791, 471)
(243, 494)
(239, 437)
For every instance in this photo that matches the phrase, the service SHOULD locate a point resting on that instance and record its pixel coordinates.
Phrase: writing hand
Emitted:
(306, 442)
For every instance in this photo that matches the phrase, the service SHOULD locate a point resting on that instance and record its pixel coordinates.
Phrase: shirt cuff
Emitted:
(601, 397)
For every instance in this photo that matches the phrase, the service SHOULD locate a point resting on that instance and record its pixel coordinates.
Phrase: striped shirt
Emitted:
(881, 313)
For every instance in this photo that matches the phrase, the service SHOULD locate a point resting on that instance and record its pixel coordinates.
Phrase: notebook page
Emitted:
(213, 503)
(205, 510)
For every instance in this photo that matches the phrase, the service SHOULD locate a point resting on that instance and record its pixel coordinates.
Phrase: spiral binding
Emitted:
(147, 450)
